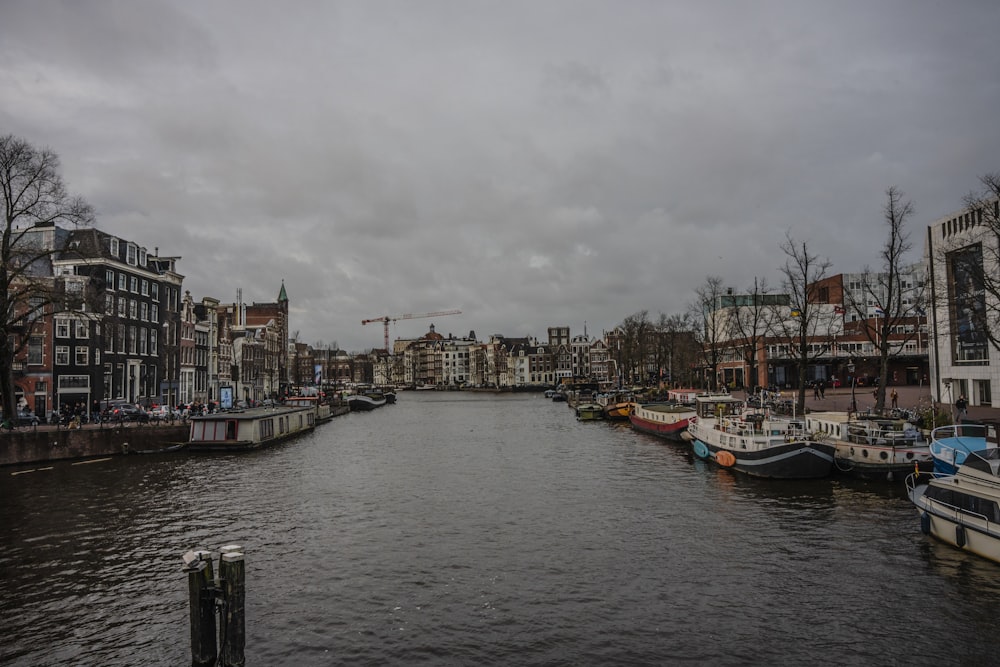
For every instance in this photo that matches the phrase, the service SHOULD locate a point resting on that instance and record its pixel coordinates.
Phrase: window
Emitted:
(122, 281)
(109, 304)
(154, 313)
(144, 311)
(35, 344)
(131, 340)
(145, 287)
(121, 306)
(133, 309)
(82, 355)
(152, 341)
(62, 328)
(36, 308)
(109, 341)
(155, 291)
(114, 248)
(97, 356)
(82, 329)
(62, 355)
(109, 279)
(120, 344)
(142, 340)
(134, 282)
(130, 254)
(142, 257)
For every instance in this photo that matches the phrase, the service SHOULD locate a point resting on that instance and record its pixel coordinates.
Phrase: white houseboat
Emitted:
(249, 429)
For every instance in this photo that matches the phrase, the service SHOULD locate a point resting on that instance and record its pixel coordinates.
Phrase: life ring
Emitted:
(725, 458)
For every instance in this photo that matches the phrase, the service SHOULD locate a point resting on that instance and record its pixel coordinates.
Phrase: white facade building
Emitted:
(959, 249)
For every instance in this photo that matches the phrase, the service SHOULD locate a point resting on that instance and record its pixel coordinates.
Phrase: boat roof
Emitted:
(717, 398)
(253, 413)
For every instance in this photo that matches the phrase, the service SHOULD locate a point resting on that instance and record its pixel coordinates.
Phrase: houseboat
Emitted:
(322, 408)
(757, 443)
(872, 447)
(238, 430)
(664, 420)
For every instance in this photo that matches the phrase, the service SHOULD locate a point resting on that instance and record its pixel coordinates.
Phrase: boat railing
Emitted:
(959, 431)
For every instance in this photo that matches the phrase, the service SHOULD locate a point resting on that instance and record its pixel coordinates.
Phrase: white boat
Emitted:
(871, 447)
(237, 430)
(757, 443)
(962, 509)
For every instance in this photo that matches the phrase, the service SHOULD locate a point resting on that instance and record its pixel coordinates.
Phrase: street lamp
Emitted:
(854, 383)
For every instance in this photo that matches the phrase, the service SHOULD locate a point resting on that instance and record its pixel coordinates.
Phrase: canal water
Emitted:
(461, 529)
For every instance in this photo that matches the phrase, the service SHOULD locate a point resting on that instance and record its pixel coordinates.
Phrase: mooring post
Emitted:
(232, 634)
(198, 565)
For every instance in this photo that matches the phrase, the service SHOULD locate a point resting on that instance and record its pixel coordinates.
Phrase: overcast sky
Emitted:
(534, 164)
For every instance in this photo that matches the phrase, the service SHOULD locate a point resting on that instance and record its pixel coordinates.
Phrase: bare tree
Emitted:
(748, 325)
(802, 327)
(710, 333)
(673, 346)
(635, 344)
(894, 293)
(34, 197)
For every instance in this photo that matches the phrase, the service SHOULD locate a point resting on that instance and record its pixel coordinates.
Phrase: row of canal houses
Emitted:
(126, 330)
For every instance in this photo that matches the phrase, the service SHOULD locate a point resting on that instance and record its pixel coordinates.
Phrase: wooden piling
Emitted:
(201, 582)
(232, 576)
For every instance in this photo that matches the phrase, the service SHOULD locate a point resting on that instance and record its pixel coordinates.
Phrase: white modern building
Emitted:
(961, 252)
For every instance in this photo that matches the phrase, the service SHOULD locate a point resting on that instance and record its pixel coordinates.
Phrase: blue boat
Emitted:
(951, 445)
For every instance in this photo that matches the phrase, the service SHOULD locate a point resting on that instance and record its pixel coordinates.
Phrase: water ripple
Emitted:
(462, 529)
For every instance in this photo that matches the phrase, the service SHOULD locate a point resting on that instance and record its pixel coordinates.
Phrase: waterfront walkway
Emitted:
(910, 396)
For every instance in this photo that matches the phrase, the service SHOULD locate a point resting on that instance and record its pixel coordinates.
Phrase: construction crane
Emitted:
(386, 319)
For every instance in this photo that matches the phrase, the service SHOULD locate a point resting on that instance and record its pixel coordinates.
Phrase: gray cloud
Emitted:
(533, 164)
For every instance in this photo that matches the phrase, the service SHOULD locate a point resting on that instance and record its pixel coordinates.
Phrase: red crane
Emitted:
(386, 319)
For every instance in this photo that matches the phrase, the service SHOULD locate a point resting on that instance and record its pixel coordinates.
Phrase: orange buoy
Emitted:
(725, 458)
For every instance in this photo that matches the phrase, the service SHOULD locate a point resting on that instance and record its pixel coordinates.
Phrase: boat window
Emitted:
(230, 429)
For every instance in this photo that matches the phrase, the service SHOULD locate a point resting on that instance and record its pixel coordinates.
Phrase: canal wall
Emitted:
(51, 444)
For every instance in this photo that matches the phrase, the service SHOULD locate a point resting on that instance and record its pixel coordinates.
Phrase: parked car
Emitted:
(122, 411)
(27, 418)
(24, 418)
(164, 413)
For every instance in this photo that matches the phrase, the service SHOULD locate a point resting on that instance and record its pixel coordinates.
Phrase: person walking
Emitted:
(895, 398)
(816, 389)
(822, 390)
(961, 406)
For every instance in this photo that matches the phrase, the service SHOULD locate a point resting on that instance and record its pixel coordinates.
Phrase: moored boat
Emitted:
(683, 396)
(664, 420)
(589, 412)
(757, 443)
(950, 445)
(238, 430)
(322, 408)
(365, 402)
(871, 447)
(616, 405)
(962, 509)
